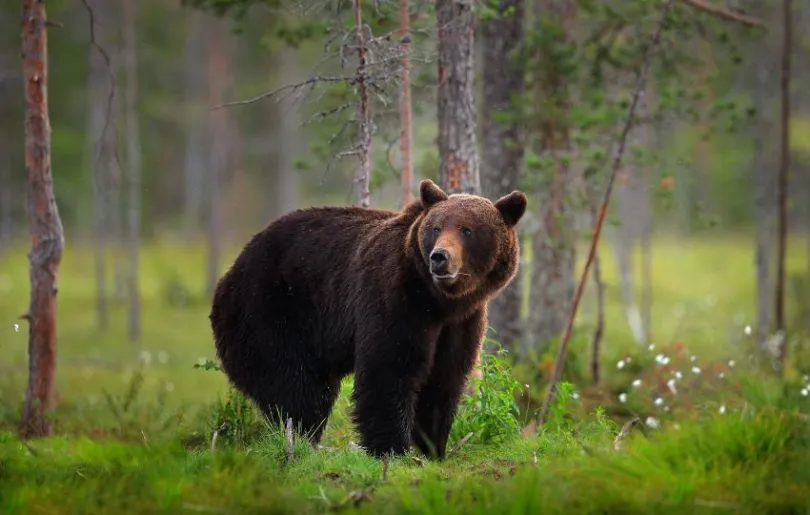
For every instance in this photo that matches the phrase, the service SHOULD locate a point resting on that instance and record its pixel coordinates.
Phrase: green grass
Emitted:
(135, 422)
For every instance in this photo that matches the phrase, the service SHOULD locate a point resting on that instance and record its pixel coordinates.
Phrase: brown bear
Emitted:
(396, 297)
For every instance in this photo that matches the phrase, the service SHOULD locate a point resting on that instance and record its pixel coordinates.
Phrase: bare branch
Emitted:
(617, 159)
(726, 14)
(310, 81)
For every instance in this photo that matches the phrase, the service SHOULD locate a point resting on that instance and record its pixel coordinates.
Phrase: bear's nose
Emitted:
(439, 258)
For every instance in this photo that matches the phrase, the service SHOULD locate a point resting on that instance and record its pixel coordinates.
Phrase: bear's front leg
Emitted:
(456, 350)
(388, 370)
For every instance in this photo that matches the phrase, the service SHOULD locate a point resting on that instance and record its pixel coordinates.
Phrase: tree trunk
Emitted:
(133, 167)
(552, 284)
(7, 191)
(289, 138)
(784, 165)
(45, 227)
(405, 112)
(100, 156)
(458, 151)
(195, 147)
(218, 144)
(363, 177)
(502, 151)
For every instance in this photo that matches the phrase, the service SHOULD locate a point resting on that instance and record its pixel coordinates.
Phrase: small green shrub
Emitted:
(490, 413)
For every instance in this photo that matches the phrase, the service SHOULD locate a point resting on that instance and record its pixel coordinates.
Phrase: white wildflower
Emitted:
(806, 378)
(620, 364)
(636, 383)
(748, 330)
(651, 347)
(146, 357)
(805, 391)
(652, 422)
(575, 396)
(671, 386)
(731, 363)
(678, 374)
(693, 359)
(721, 375)
(722, 409)
(696, 370)
(658, 401)
(16, 328)
(622, 397)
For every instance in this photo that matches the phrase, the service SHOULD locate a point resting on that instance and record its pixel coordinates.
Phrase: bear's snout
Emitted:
(439, 261)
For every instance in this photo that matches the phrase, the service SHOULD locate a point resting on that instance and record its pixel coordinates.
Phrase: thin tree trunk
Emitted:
(405, 104)
(458, 151)
(503, 145)
(7, 191)
(784, 165)
(364, 118)
(195, 148)
(133, 167)
(763, 205)
(289, 138)
(217, 130)
(592, 195)
(45, 227)
(101, 101)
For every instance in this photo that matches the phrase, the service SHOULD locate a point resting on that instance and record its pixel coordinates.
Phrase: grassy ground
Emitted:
(136, 422)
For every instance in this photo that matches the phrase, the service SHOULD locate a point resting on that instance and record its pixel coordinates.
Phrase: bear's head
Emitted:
(467, 243)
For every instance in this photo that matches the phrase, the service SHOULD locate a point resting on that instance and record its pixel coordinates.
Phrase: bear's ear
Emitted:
(431, 193)
(512, 207)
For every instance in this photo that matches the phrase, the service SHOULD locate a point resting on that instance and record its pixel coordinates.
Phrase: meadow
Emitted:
(141, 429)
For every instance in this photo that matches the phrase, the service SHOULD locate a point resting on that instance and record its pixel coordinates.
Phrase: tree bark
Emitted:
(45, 227)
(405, 111)
(503, 145)
(133, 168)
(553, 246)
(195, 147)
(289, 138)
(218, 144)
(363, 177)
(784, 165)
(101, 102)
(458, 151)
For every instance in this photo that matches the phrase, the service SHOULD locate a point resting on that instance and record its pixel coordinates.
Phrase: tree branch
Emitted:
(726, 14)
(298, 85)
(617, 159)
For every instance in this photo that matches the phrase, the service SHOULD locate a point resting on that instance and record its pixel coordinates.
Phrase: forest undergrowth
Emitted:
(688, 423)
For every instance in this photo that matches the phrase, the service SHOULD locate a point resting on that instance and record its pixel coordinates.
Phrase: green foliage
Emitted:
(490, 412)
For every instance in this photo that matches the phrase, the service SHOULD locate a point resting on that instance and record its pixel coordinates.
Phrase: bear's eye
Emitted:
(466, 231)
(436, 231)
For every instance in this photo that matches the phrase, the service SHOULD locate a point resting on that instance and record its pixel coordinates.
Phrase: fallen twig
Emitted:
(460, 444)
(617, 159)
(625, 431)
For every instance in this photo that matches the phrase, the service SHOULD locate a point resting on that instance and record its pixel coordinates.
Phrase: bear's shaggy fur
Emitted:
(396, 297)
